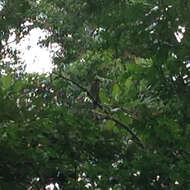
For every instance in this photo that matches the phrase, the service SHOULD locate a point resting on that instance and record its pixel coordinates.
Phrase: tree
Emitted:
(131, 131)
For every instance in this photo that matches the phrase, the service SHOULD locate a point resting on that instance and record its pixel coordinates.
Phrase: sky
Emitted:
(37, 59)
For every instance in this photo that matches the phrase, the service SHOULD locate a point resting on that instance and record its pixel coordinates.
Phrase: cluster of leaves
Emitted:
(115, 111)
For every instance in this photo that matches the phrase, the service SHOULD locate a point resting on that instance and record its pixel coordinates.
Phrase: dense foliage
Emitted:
(114, 112)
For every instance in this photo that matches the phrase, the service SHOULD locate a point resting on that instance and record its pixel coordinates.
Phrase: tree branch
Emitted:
(82, 88)
(105, 113)
(134, 136)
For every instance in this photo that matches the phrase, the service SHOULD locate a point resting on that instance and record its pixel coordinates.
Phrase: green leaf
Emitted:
(6, 82)
(115, 91)
(143, 85)
(110, 124)
(128, 83)
(18, 86)
(130, 89)
(103, 97)
(123, 118)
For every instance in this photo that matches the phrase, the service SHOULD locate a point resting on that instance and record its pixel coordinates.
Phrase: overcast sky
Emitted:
(37, 59)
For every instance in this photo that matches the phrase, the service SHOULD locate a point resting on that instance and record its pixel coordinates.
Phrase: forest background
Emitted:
(114, 113)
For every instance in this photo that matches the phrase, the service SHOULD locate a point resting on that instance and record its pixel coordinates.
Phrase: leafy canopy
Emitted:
(114, 112)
